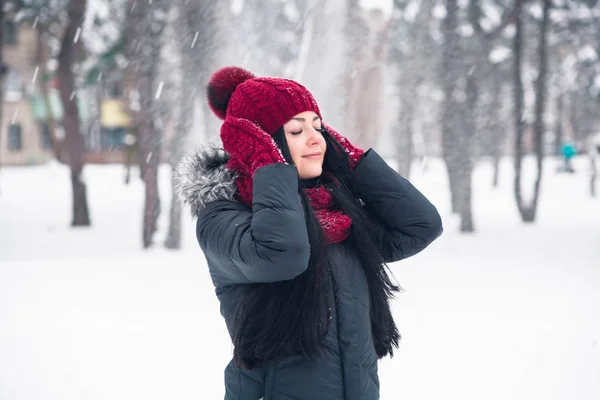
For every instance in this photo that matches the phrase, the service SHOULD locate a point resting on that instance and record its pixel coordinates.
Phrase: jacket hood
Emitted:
(204, 177)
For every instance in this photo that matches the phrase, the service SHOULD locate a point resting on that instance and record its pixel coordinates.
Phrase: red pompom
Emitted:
(221, 86)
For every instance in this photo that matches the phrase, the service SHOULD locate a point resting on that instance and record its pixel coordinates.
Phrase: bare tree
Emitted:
(195, 33)
(367, 38)
(450, 77)
(2, 67)
(464, 66)
(182, 106)
(148, 20)
(528, 210)
(74, 139)
(560, 112)
(593, 175)
(594, 155)
(496, 125)
(456, 136)
(574, 70)
(487, 75)
(412, 50)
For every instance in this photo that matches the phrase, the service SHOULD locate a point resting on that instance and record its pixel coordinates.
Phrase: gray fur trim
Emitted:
(203, 178)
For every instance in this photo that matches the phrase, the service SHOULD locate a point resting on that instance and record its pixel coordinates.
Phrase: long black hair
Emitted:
(281, 319)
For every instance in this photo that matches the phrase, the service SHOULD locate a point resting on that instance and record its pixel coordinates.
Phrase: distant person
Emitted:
(568, 152)
(296, 224)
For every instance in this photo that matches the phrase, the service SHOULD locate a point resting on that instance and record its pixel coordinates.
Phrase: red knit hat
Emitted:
(268, 102)
(253, 109)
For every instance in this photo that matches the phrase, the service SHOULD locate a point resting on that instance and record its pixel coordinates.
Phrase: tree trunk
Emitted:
(150, 149)
(451, 114)
(594, 170)
(467, 137)
(131, 100)
(186, 31)
(404, 136)
(306, 40)
(203, 31)
(559, 124)
(528, 211)
(465, 189)
(518, 104)
(196, 28)
(366, 38)
(355, 34)
(173, 240)
(130, 149)
(493, 133)
(574, 113)
(74, 138)
(149, 21)
(496, 176)
(2, 69)
(416, 53)
(453, 179)
(497, 131)
(539, 126)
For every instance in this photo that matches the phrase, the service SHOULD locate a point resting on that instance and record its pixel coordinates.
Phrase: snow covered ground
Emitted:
(511, 312)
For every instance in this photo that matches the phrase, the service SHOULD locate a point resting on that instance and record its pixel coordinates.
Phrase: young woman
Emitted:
(296, 225)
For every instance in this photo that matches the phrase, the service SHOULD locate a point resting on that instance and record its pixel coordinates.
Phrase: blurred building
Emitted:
(23, 139)
(28, 117)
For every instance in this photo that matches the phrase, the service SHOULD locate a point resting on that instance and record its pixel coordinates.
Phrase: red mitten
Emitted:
(249, 146)
(354, 153)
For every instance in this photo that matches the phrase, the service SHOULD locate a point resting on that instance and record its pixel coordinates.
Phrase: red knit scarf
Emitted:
(335, 224)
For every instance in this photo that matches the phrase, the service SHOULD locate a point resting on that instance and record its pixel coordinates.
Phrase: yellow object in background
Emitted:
(112, 114)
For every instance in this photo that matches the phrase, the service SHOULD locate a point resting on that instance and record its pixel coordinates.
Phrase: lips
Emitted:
(313, 155)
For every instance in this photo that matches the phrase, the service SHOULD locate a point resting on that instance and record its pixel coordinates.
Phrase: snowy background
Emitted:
(511, 312)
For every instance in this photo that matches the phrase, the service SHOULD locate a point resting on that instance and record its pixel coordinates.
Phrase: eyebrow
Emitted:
(304, 119)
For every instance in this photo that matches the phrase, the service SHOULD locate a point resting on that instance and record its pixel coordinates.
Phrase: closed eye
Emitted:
(319, 129)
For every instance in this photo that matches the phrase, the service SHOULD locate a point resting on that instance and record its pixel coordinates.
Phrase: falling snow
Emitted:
(14, 117)
(159, 90)
(504, 346)
(77, 34)
(35, 74)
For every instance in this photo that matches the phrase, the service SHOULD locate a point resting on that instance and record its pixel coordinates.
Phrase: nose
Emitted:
(315, 137)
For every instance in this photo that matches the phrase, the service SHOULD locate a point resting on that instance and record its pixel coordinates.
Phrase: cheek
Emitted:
(295, 147)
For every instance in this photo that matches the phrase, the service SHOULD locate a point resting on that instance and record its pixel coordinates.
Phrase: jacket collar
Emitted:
(204, 177)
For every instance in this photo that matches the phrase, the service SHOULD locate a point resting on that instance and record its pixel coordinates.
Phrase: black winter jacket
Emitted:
(268, 243)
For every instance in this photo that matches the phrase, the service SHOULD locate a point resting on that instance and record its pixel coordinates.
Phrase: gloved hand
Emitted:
(249, 146)
(354, 153)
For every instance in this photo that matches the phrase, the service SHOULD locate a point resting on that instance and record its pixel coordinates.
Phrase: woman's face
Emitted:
(306, 143)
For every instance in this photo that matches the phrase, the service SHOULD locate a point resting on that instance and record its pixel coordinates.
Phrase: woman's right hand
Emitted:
(249, 145)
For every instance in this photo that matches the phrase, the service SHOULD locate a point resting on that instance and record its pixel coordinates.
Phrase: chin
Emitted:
(311, 173)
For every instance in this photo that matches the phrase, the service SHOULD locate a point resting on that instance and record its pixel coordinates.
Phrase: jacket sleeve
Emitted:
(408, 221)
(268, 243)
